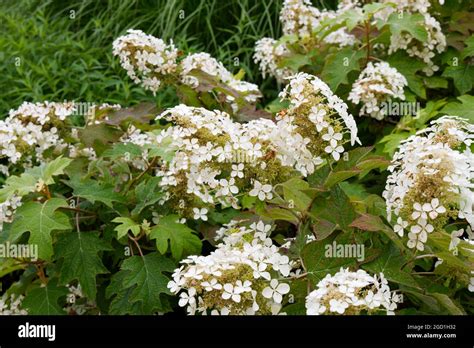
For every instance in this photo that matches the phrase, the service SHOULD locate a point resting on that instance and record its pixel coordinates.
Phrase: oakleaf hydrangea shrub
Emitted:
(242, 276)
(352, 293)
(376, 84)
(236, 201)
(431, 180)
(152, 63)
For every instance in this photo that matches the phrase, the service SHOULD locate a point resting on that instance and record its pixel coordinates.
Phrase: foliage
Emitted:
(210, 197)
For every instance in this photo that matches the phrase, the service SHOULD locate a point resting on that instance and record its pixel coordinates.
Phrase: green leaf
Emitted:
(335, 208)
(126, 224)
(99, 136)
(373, 8)
(122, 150)
(367, 222)
(408, 67)
(353, 158)
(51, 169)
(436, 82)
(143, 113)
(144, 277)
(431, 110)
(322, 228)
(465, 109)
(82, 262)
(43, 300)
(93, 191)
(351, 18)
(392, 141)
(356, 163)
(295, 61)
(469, 49)
(188, 95)
(449, 304)
(390, 263)
(318, 263)
(372, 223)
(20, 185)
(297, 192)
(147, 194)
(337, 176)
(275, 213)
(338, 66)
(9, 265)
(26, 182)
(40, 219)
(169, 233)
(410, 23)
(121, 303)
(164, 151)
(276, 105)
(462, 75)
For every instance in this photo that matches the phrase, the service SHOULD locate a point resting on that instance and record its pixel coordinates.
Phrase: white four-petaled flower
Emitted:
(276, 290)
(262, 191)
(200, 214)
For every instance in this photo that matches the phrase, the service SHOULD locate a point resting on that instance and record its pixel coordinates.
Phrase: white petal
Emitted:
(267, 292)
(283, 288)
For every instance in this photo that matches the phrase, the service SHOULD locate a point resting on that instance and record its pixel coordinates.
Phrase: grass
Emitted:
(55, 50)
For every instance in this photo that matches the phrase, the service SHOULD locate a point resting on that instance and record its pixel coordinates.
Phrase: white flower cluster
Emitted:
(352, 293)
(340, 38)
(349, 5)
(314, 106)
(299, 18)
(377, 84)
(267, 54)
(147, 59)
(431, 180)
(217, 160)
(8, 208)
(11, 305)
(204, 62)
(409, 6)
(243, 276)
(426, 50)
(38, 130)
(32, 129)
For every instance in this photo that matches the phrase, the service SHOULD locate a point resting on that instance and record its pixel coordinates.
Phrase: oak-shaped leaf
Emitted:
(95, 191)
(81, 259)
(40, 219)
(142, 283)
(43, 299)
(182, 240)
